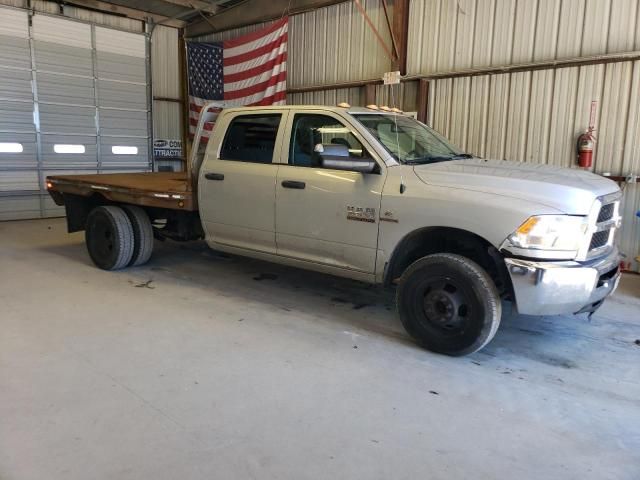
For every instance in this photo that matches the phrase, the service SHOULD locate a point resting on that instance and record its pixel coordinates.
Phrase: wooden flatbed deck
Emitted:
(158, 189)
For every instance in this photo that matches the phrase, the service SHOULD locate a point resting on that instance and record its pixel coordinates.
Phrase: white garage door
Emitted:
(73, 99)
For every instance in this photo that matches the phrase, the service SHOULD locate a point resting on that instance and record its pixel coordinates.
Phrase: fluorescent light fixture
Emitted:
(61, 148)
(123, 150)
(6, 147)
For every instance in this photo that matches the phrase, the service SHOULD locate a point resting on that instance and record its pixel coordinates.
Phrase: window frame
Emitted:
(259, 113)
(6, 145)
(70, 148)
(346, 122)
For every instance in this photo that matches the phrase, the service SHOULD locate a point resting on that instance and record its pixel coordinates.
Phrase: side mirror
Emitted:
(362, 165)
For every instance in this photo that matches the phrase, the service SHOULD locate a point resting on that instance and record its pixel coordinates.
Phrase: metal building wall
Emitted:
(330, 45)
(167, 89)
(453, 35)
(535, 116)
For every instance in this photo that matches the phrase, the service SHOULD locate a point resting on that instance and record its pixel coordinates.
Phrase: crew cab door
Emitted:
(324, 215)
(236, 187)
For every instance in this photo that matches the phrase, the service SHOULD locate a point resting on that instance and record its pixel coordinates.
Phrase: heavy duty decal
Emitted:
(360, 214)
(388, 217)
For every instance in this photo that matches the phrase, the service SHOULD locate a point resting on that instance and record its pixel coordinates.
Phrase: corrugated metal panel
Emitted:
(614, 114)
(563, 109)
(15, 84)
(61, 32)
(123, 123)
(503, 21)
(52, 57)
(629, 236)
(19, 207)
(497, 116)
(14, 3)
(51, 159)
(18, 171)
(54, 88)
(233, 33)
(167, 119)
(510, 31)
(120, 43)
(316, 36)
(14, 23)
(125, 68)
(26, 159)
(45, 7)
(139, 161)
(403, 96)
(542, 112)
(353, 96)
(165, 62)
(525, 26)
(572, 16)
(19, 181)
(104, 19)
(122, 95)
(67, 119)
(16, 116)
(519, 97)
(14, 41)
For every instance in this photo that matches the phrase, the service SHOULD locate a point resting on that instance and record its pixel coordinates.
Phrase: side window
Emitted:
(316, 136)
(251, 138)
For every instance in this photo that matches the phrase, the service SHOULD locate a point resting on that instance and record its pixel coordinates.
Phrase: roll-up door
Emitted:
(73, 99)
(18, 145)
(122, 99)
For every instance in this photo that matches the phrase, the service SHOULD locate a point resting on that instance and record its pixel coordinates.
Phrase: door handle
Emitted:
(214, 176)
(294, 184)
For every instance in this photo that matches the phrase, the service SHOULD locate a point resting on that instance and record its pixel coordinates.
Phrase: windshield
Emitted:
(408, 140)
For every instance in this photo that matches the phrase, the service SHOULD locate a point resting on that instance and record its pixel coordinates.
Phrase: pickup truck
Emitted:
(372, 195)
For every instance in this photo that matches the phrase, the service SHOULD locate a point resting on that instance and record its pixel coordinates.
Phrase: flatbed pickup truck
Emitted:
(376, 196)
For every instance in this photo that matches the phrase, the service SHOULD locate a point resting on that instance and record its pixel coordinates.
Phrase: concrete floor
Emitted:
(200, 365)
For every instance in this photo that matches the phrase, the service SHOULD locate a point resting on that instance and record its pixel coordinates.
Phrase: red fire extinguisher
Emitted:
(584, 148)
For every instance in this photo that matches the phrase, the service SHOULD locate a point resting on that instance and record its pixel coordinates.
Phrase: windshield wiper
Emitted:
(435, 159)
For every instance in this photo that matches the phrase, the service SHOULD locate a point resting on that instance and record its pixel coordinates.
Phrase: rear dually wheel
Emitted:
(109, 237)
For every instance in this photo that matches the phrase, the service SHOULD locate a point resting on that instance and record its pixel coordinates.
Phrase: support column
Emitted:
(423, 100)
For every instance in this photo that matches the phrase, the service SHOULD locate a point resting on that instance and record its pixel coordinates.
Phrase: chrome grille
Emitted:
(603, 226)
(599, 239)
(606, 212)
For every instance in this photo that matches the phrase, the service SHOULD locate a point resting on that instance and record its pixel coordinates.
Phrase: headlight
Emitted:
(550, 236)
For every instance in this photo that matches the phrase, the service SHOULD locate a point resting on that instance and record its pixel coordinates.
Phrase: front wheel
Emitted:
(448, 304)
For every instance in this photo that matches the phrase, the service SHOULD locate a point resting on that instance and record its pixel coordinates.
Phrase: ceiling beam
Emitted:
(132, 13)
(201, 5)
(253, 11)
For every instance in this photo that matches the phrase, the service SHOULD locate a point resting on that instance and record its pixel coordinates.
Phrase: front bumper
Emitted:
(557, 288)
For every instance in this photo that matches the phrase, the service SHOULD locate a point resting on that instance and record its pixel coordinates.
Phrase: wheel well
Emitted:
(427, 241)
(179, 225)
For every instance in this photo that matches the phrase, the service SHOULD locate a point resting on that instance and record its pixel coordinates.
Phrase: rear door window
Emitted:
(251, 138)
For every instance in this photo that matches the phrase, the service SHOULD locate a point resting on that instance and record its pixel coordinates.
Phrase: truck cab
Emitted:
(374, 195)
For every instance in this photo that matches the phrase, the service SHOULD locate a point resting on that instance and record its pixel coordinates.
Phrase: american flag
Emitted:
(248, 70)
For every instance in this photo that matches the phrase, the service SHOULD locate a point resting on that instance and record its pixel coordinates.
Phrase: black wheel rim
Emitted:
(103, 239)
(446, 305)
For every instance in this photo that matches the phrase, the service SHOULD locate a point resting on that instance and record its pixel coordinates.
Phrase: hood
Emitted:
(570, 191)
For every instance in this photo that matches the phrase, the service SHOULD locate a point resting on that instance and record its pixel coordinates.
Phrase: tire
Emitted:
(109, 238)
(142, 234)
(448, 304)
